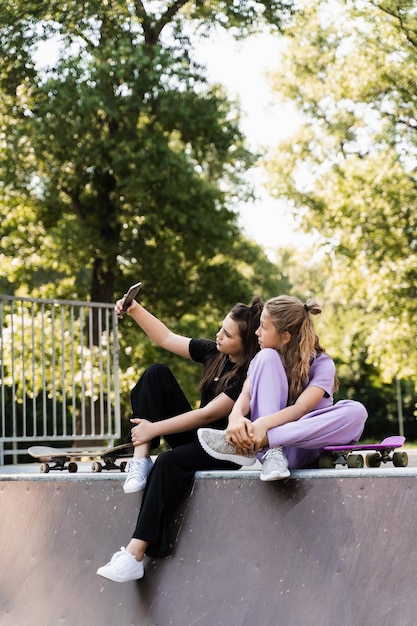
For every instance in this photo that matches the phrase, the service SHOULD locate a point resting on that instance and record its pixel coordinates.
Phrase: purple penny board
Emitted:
(382, 453)
(390, 442)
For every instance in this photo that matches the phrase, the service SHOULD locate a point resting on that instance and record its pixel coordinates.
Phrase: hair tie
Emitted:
(306, 308)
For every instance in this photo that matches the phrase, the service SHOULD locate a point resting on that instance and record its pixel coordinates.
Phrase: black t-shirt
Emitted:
(204, 351)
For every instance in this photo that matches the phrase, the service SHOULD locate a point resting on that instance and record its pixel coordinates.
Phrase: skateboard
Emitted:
(63, 459)
(111, 455)
(378, 453)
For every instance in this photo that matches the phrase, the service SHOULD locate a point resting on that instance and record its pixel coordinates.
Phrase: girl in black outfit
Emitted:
(161, 409)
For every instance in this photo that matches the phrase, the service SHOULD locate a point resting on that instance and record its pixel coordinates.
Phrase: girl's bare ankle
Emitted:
(137, 548)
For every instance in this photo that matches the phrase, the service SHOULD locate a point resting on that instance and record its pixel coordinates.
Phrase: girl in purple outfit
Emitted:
(285, 413)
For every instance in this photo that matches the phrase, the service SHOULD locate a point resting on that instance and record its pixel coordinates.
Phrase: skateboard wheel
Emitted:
(44, 468)
(96, 467)
(400, 459)
(355, 460)
(326, 461)
(373, 460)
(72, 468)
(123, 466)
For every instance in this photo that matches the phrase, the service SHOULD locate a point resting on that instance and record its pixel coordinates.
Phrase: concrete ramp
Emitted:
(334, 549)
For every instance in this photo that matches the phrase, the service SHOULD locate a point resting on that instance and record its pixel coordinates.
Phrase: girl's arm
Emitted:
(145, 431)
(305, 403)
(156, 330)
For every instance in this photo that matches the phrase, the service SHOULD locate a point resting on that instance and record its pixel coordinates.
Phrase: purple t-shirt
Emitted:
(322, 374)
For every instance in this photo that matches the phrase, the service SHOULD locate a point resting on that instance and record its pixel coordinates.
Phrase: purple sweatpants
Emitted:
(303, 439)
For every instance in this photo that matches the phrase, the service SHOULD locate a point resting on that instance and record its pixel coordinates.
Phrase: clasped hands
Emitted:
(246, 436)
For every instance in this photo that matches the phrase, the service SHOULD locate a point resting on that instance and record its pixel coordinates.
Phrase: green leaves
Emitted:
(350, 169)
(118, 162)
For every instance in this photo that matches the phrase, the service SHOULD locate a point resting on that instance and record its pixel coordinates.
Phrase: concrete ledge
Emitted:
(381, 472)
(338, 550)
(84, 474)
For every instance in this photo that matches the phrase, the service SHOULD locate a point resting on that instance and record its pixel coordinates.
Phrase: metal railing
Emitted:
(58, 373)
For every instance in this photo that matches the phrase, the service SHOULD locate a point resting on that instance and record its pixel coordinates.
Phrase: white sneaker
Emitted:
(122, 567)
(214, 443)
(137, 474)
(274, 465)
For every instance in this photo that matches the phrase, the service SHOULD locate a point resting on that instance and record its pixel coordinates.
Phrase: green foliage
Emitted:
(244, 17)
(119, 162)
(364, 382)
(349, 170)
(116, 150)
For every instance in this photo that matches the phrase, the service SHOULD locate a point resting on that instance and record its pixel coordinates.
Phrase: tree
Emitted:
(119, 162)
(350, 169)
(117, 159)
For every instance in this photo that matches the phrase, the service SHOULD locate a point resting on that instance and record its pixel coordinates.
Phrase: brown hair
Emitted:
(248, 319)
(289, 314)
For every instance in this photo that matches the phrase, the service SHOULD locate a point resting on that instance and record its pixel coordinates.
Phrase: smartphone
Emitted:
(131, 295)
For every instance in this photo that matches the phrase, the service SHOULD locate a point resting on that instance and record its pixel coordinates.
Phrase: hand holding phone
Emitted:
(131, 295)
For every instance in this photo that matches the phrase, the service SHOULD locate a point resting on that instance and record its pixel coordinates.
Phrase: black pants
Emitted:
(158, 396)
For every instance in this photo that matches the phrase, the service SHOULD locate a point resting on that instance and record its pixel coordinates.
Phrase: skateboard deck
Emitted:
(348, 454)
(60, 459)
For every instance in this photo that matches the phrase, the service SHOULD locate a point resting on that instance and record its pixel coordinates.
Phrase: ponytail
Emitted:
(289, 314)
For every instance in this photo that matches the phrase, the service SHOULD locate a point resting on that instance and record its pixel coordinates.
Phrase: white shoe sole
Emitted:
(275, 476)
(134, 489)
(118, 579)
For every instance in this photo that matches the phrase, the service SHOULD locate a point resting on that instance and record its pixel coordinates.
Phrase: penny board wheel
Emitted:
(355, 460)
(96, 467)
(373, 460)
(326, 461)
(44, 468)
(400, 459)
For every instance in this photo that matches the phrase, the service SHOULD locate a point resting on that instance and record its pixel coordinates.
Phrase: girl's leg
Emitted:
(268, 384)
(137, 547)
(167, 483)
(155, 397)
(158, 396)
(302, 440)
(171, 475)
(268, 394)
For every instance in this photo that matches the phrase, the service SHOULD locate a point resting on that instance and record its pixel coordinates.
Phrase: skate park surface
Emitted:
(324, 547)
